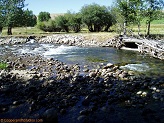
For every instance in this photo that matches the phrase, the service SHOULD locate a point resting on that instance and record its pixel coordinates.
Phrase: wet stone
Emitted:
(82, 119)
(50, 116)
(85, 102)
(84, 112)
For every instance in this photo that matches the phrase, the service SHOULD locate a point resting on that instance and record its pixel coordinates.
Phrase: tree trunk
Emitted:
(66, 29)
(148, 28)
(9, 31)
(139, 29)
(107, 28)
(124, 28)
(1, 30)
(90, 28)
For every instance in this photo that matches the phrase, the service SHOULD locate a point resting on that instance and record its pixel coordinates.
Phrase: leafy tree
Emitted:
(44, 16)
(95, 17)
(109, 20)
(62, 22)
(153, 12)
(138, 8)
(1, 16)
(48, 26)
(126, 9)
(29, 19)
(118, 18)
(133, 11)
(75, 21)
(12, 13)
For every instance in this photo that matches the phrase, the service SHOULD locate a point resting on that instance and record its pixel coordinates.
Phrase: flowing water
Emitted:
(129, 60)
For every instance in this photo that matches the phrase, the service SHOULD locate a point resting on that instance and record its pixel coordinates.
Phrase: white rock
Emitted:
(139, 92)
(109, 65)
(144, 94)
(153, 88)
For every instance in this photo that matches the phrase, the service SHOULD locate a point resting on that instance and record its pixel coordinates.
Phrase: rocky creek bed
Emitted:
(33, 87)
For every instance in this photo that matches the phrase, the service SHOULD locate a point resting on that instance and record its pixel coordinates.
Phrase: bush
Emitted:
(63, 22)
(48, 26)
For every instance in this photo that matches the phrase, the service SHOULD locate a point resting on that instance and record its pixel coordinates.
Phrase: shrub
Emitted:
(48, 26)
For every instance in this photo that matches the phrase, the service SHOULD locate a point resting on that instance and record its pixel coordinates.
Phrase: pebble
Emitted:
(84, 112)
(139, 92)
(50, 115)
(144, 94)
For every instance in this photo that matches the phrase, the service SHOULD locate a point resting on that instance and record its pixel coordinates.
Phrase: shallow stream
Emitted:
(91, 56)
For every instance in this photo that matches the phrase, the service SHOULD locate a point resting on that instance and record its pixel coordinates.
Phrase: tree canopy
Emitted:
(96, 17)
(133, 11)
(12, 13)
(29, 19)
(62, 22)
(44, 16)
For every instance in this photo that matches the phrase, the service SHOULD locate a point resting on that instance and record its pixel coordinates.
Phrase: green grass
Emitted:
(158, 21)
(3, 65)
(23, 31)
(154, 29)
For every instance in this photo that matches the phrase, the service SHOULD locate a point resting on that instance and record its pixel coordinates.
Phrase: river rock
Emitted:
(86, 102)
(109, 65)
(50, 116)
(82, 119)
(139, 92)
(86, 70)
(17, 102)
(92, 74)
(84, 112)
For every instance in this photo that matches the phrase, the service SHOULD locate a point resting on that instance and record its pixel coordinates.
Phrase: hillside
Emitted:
(53, 15)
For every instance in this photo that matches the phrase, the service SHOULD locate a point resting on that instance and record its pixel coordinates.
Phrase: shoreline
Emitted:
(92, 40)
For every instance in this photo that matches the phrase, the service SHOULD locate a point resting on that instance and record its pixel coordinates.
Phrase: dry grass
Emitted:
(99, 36)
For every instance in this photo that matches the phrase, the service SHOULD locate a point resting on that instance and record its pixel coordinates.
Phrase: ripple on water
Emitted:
(136, 67)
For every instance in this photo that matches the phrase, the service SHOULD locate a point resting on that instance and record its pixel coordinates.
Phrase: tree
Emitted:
(138, 8)
(62, 22)
(134, 11)
(152, 10)
(44, 16)
(126, 9)
(75, 21)
(12, 13)
(109, 20)
(1, 16)
(48, 26)
(95, 17)
(118, 18)
(29, 19)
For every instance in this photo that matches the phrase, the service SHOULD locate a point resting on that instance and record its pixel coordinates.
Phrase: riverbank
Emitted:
(53, 91)
(154, 48)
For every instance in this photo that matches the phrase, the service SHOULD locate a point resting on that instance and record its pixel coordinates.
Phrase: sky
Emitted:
(61, 6)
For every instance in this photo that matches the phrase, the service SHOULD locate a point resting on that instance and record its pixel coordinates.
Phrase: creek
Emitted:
(91, 56)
